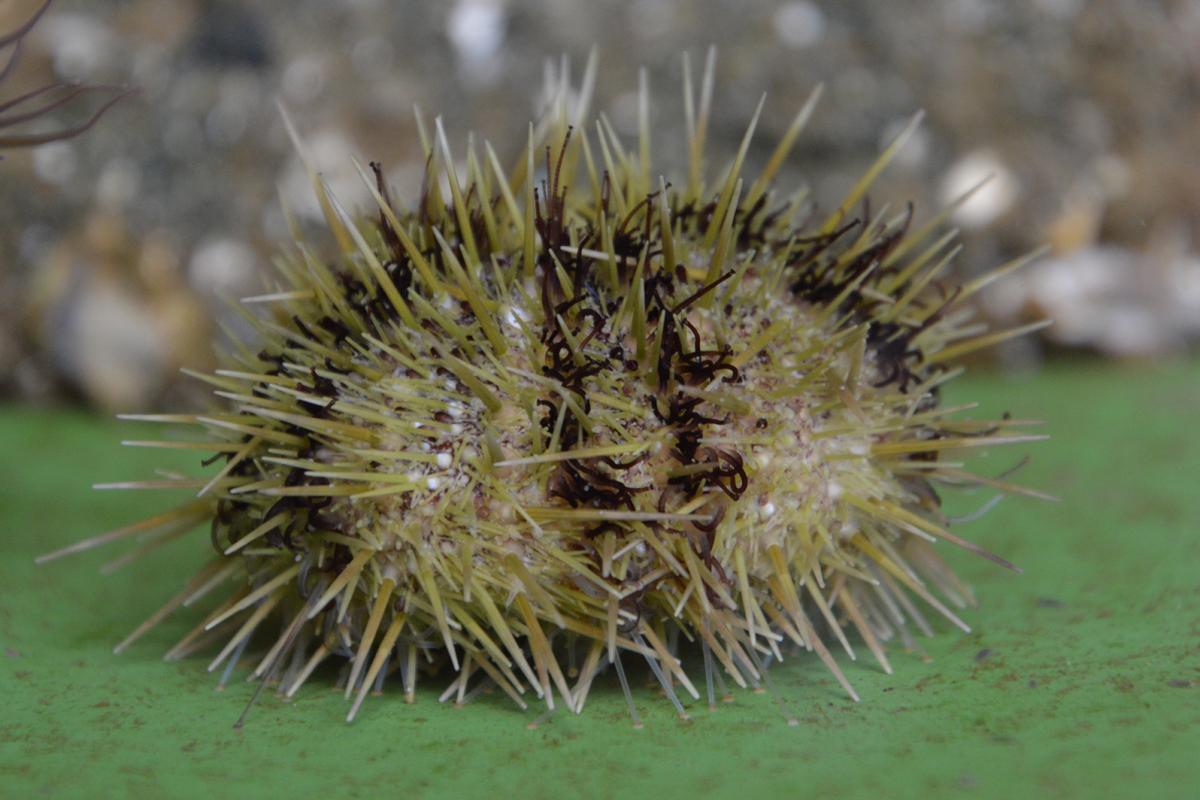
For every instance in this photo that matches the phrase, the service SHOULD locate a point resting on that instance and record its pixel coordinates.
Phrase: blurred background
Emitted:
(117, 247)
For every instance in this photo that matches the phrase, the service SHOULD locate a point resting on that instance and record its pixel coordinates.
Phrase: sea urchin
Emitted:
(581, 414)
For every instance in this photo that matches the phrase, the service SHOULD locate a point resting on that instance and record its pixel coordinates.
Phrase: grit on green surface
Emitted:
(1082, 677)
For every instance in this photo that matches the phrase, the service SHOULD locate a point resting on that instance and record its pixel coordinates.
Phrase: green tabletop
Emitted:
(1081, 679)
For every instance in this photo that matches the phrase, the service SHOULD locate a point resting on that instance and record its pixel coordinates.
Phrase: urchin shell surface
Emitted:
(570, 413)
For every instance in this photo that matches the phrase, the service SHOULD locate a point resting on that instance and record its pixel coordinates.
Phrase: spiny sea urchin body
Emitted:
(584, 415)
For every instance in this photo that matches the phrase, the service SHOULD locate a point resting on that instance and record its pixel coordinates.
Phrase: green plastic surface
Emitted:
(1082, 678)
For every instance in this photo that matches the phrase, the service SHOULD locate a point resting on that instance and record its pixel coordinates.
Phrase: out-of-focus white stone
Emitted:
(799, 24)
(113, 347)
(80, 45)
(55, 163)
(1115, 300)
(991, 200)
(476, 30)
(222, 267)
(304, 79)
(328, 150)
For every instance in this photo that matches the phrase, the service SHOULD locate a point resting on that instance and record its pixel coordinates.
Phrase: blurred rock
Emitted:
(1111, 299)
(222, 267)
(476, 30)
(992, 187)
(112, 319)
(799, 24)
(109, 346)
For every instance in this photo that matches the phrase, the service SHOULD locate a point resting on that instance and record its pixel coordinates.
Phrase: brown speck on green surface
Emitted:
(1085, 692)
(1122, 684)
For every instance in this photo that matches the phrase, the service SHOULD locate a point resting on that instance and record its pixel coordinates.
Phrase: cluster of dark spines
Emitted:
(599, 482)
(818, 277)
